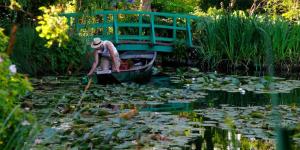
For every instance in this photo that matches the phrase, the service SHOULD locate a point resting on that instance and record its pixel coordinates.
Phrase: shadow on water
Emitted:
(216, 98)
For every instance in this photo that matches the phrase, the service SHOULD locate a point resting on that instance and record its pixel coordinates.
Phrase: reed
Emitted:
(239, 41)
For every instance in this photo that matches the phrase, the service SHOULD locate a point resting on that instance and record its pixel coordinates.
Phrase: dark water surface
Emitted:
(215, 137)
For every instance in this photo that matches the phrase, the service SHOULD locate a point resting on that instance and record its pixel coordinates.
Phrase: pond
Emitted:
(176, 110)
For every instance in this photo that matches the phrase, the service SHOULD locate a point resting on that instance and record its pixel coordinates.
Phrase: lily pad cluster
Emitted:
(257, 122)
(98, 122)
(197, 80)
(86, 131)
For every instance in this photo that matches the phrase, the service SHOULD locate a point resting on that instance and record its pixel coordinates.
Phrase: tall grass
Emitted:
(238, 40)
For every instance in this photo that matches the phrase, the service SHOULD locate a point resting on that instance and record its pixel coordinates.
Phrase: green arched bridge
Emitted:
(135, 30)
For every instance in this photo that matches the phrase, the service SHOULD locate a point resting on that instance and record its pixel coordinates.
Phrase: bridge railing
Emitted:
(145, 28)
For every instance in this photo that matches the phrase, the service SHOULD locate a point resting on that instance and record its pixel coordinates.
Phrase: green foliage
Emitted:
(238, 4)
(242, 39)
(53, 27)
(15, 125)
(289, 9)
(32, 57)
(3, 42)
(179, 6)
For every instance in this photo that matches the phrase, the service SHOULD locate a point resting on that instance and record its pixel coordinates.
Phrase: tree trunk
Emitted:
(145, 5)
(12, 39)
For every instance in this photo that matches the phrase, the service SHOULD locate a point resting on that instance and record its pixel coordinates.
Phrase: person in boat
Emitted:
(109, 56)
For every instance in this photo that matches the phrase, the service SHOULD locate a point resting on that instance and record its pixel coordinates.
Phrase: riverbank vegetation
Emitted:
(37, 41)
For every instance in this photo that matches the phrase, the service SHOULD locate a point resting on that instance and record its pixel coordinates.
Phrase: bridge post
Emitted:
(188, 32)
(115, 28)
(174, 28)
(104, 24)
(153, 40)
(140, 25)
(76, 24)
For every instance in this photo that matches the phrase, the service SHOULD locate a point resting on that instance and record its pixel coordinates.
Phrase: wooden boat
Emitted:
(136, 66)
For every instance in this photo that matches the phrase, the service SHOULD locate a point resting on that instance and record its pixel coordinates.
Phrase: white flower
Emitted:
(1, 60)
(37, 141)
(134, 142)
(25, 123)
(13, 69)
(239, 137)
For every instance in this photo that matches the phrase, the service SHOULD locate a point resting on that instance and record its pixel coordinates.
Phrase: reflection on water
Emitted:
(206, 133)
(212, 137)
(215, 98)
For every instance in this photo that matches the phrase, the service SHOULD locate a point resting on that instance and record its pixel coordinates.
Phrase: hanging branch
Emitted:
(19, 9)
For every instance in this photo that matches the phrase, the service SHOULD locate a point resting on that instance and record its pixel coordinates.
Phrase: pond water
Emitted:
(182, 110)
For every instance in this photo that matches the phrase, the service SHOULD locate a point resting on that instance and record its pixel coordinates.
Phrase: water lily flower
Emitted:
(13, 69)
(242, 91)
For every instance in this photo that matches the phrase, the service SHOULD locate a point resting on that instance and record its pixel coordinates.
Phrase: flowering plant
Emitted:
(15, 125)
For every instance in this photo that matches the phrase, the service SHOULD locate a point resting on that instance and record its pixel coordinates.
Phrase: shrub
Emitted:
(15, 124)
(32, 57)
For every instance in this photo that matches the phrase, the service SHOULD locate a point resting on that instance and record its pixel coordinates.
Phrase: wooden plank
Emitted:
(132, 47)
(140, 24)
(152, 30)
(174, 28)
(188, 31)
(134, 37)
(104, 22)
(116, 34)
(164, 39)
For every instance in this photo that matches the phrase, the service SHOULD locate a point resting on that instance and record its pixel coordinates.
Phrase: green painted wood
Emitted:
(133, 37)
(140, 24)
(116, 35)
(188, 31)
(137, 47)
(104, 22)
(174, 26)
(146, 34)
(164, 39)
(152, 34)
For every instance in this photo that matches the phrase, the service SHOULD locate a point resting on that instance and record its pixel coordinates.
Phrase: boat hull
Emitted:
(139, 74)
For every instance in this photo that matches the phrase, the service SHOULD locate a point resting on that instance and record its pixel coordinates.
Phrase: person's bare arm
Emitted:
(110, 47)
(95, 64)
